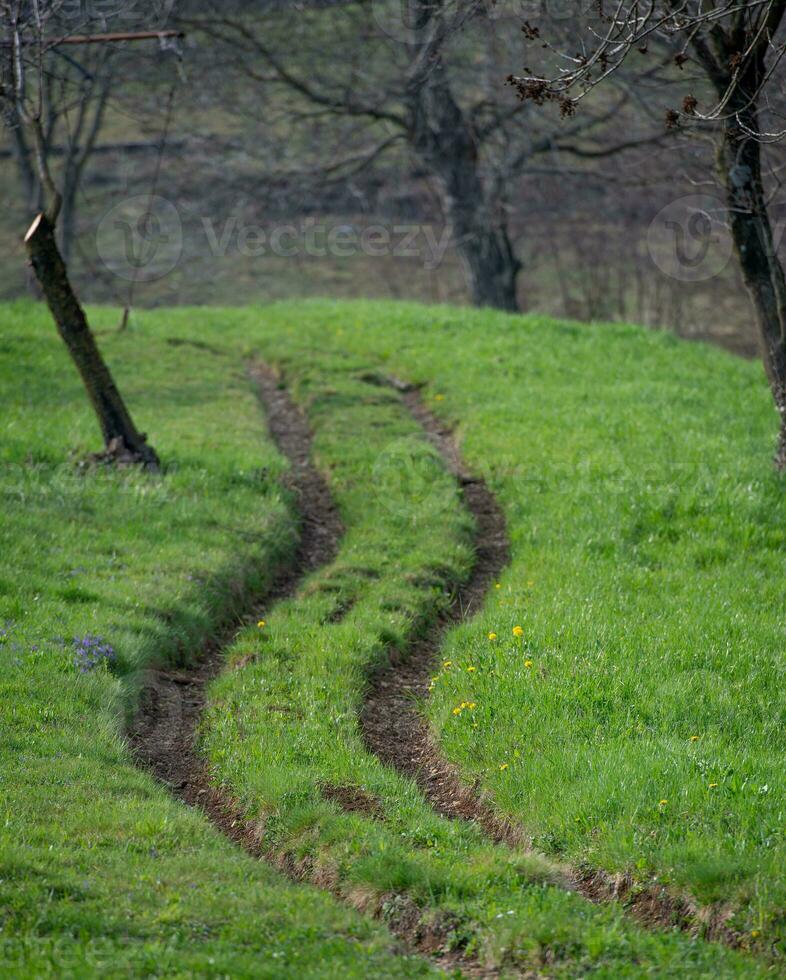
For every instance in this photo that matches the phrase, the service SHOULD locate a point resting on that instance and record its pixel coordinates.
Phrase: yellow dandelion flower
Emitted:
(447, 663)
(457, 711)
(262, 624)
(754, 933)
(663, 802)
(498, 585)
(518, 631)
(528, 664)
(713, 786)
(503, 767)
(695, 738)
(492, 636)
(471, 705)
(471, 670)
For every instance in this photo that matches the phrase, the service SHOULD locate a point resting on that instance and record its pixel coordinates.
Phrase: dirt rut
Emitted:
(392, 726)
(396, 731)
(163, 734)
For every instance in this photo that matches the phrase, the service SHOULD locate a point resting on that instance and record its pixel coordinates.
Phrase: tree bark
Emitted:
(739, 165)
(485, 248)
(441, 135)
(123, 442)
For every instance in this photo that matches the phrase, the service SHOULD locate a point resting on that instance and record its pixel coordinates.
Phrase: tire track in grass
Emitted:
(395, 730)
(163, 734)
(392, 726)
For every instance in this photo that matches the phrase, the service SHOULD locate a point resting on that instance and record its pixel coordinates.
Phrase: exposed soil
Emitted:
(163, 733)
(117, 454)
(395, 729)
(353, 799)
(171, 701)
(392, 726)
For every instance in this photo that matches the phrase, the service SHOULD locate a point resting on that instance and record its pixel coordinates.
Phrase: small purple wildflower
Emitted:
(91, 651)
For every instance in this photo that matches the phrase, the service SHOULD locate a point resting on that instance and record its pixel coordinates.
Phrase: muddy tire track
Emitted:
(395, 730)
(163, 733)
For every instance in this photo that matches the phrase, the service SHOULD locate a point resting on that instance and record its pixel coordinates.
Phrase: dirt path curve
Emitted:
(396, 731)
(163, 733)
(392, 726)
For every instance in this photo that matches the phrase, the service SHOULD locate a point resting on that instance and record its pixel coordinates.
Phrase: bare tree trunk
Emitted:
(739, 165)
(487, 253)
(122, 440)
(441, 135)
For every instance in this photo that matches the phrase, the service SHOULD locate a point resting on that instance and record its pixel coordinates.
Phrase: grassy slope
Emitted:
(540, 405)
(314, 668)
(648, 530)
(101, 873)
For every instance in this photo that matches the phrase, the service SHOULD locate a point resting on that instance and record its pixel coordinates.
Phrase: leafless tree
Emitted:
(75, 101)
(736, 50)
(425, 75)
(31, 32)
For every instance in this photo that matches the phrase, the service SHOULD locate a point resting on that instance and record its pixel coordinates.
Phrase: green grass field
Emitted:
(101, 873)
(635, 724)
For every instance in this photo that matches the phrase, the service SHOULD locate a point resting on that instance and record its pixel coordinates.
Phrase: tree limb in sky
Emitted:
(737, 48)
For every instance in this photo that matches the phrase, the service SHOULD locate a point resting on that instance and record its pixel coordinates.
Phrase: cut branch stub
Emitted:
(123, 442)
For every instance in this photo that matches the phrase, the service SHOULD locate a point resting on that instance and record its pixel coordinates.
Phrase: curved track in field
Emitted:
(163, 733)
(392, 726)
(396, 731)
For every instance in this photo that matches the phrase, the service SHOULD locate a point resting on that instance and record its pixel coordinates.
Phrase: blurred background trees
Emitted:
(733, 95)
(353, 115)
